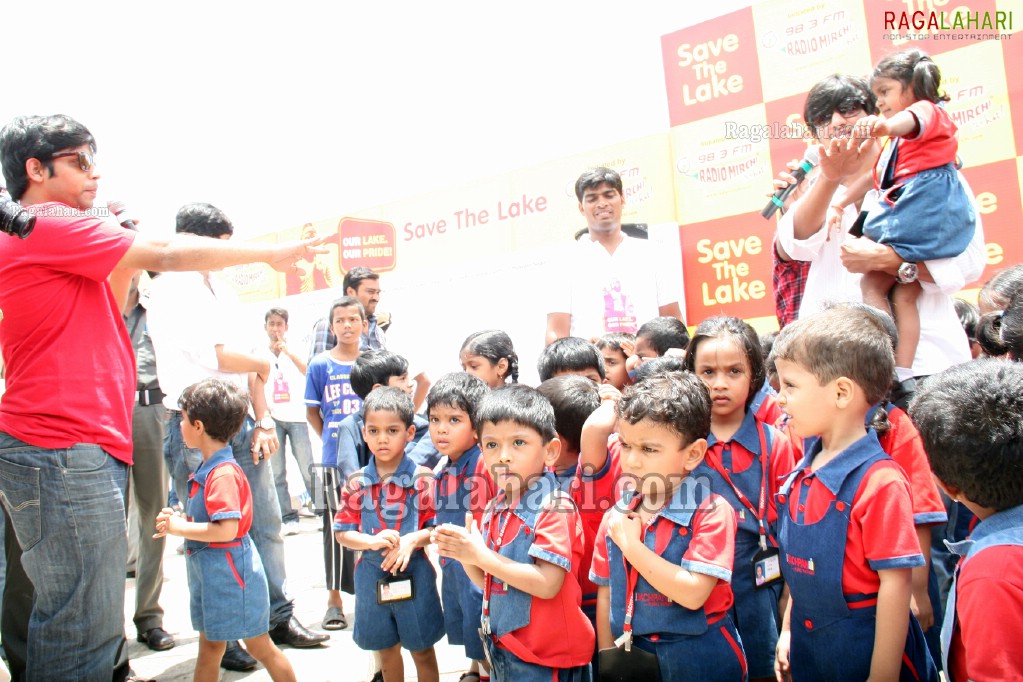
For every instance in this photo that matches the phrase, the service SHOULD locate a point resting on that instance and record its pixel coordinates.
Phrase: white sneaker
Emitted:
(291, 528)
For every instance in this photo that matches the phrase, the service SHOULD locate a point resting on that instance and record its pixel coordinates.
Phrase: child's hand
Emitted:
(782, 670)
(835, 213)
(166, 522)
(628, 348)
(385, 540)
(461, 544)
(397, 558)
(610, 393)
(624, 528)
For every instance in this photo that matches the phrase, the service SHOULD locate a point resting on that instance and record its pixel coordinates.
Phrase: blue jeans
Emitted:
(298, 434)
(266, 513)
(67, 510)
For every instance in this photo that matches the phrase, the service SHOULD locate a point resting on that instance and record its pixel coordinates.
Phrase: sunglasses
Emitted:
(85, 159)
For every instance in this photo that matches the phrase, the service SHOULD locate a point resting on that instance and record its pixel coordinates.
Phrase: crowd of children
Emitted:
(726, 507)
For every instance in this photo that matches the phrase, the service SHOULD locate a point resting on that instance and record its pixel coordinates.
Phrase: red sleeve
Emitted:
(557, 533)
(989, 607)
(712, 549)
(349, 508)
(600, 571)
(882, 512)
(224, 493)
(925, 112)
(81, 244)
(427, 498)
(903, 444)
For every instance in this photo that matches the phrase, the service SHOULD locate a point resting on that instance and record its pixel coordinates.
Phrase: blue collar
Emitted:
(459, 467)
(532, 500)
(997, 522)
(834, 473)
(225, 454)
(688, 497)
(746, 436)
(404, 476)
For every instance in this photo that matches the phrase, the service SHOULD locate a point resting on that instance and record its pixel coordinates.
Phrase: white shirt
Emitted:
(187, 320)
(943, 342)
(608, 292)
(285, 391)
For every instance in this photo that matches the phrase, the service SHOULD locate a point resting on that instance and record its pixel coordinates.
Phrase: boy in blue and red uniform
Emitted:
(229, 595)
(845, 527)
(386, 511)
(463, 486)
(971, 421)
(664, 554)
(526, 554)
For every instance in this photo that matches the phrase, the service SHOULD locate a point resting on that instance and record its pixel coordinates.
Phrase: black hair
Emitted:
(614, 340)
(355, 277)
(767, 343)
(393, 400)
(678, 400)
(659, 366)
(203, 220)
(493, 344)
(345, 302)
(595, 177)
(459, 390)
(569, 354)
(997, 291)
(833, 93)
(664, 333)
(969, 317)
(220, 405)
(374, 367)
(574, 398)
(915, 70)
(37, 137)
(279, 312)
(970, 418)
(745, 339)
(1001, 333)
(521, 405)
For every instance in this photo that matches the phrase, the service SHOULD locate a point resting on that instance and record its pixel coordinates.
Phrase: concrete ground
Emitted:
(339, 660)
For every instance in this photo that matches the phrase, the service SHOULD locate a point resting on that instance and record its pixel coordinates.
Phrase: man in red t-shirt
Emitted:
(65, 420)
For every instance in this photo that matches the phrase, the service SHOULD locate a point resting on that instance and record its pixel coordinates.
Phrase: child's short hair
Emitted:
(664, 333)
(493, 344)
(744, 337)
(374, 367)
(460, 390)
(574, 398)
(570, 354)
(1001, 332)
(521, 405)
(841, 341)
(970, 418)
(220, 405)
(346, 302)
(678, 400)
(658, 366)
(614, 340)
(999, 290)
(390, 399)
(969, 317)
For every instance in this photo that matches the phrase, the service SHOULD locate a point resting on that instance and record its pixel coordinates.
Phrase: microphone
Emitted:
(120, 211)
(810, 159)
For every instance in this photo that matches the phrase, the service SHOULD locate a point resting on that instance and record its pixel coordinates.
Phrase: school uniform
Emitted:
(462, 486)
(837, 527)
(696, 531)
(405, 503)
(765, 405)
(229, 598)
(984, 616)
(528, 638)
(752, 463)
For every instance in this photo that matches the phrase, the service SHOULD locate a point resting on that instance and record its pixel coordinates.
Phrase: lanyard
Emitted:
(759, 513)
(380, 503)
(632, 575)
(495, 544)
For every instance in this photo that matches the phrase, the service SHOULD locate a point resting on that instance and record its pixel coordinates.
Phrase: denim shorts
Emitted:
(229, 595)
